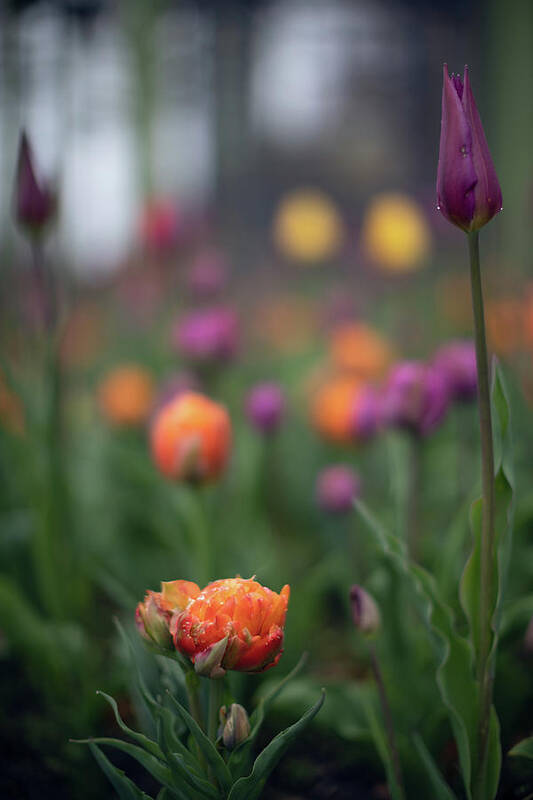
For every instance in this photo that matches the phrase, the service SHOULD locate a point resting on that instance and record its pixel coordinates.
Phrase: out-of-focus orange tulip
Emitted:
(332, 408)
(152, 616)
(505, 326)
(357, 348)
(395, 233)
(307, 227)
(191, 438)
(125, 395)
(234, 624)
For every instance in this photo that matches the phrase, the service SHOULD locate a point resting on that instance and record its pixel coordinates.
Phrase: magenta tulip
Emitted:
(468, 191)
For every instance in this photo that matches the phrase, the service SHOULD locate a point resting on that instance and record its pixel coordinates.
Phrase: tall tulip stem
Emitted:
(487, 481)
(387, 718)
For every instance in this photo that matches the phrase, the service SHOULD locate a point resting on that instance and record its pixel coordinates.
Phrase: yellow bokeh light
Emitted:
(396, 236)
(307, 227)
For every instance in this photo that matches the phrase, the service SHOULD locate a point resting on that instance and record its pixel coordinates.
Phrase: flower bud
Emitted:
(207, 336)
(416, 397)
(265, 406)
(152, 618)
(457, 362)
(365, 613)
(234, 725)
(336, 489)
(35, 202)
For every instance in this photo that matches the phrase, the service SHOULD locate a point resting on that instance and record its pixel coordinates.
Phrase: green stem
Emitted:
(483, 670)
(199, 533)
(216, 690)
(387, 718)
(192, 683)
(413, 495)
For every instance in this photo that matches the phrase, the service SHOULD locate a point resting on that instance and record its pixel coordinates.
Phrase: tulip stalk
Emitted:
(487, 481)
(387, 718)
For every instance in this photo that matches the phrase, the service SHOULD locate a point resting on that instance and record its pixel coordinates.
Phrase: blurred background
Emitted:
(236, 182)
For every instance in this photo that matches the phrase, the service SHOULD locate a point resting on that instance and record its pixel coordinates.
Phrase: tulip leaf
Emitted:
(124, 787)
(523, 748)
(149, 745)
(180, 767)
(454, 674)
(239, 759)
(250, 787)
(151, 764)
(439, 788)
(207, 748)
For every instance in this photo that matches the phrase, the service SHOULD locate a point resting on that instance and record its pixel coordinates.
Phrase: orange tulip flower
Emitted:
(232, 624)
(125, 395)
(191, 438)
(332, 408)
(356, 347)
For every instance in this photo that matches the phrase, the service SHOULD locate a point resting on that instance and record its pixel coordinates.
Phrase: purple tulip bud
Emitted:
(457, 362)
(366, 414)
(265, 405)
(416, 397)
(365, 612)
(468, 191)
(35, 202)
(207, 335)
(208, 274)
(336, 489)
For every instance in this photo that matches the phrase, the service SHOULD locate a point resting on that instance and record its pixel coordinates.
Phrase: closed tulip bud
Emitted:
(265, 405)
(365, 613)
(234, 725)
(35, 202)
(152, 619)
(468, 191)
(337, 487)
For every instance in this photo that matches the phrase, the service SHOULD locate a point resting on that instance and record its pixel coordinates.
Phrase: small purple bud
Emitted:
(35, 202)
(365, 612)
(336, 489)
(265, 405)
(457, 362)
(207, 335)
(208, 275)
(366, 413)
(468, 191)
(416, 397)
(234, 725)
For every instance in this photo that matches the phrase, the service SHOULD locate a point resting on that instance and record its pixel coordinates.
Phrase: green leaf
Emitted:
(439, 788)
(380, 741)
(523, 748)
(124, 787)
(454, 674)
(208, 749)
(158, 770)
(240, 758)
(250, 787)
(184, 775)
(149, 745)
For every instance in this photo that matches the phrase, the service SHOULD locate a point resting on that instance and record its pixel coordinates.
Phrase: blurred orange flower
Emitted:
(505, 325)
(232, 624)
(357, 348)
(332, 408)
(125, 395)
(395, 233)
(191, 438)
(307, 226)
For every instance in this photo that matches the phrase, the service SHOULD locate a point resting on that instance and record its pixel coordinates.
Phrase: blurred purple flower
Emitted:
(457, 362)
(336, 488)
(207, 335)
(468, 191)
(265, 405)
(208, 274)
(416, 397)
(367, 413)
(35, 201)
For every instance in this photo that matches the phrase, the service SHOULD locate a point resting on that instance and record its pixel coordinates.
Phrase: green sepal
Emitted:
(250, 787)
